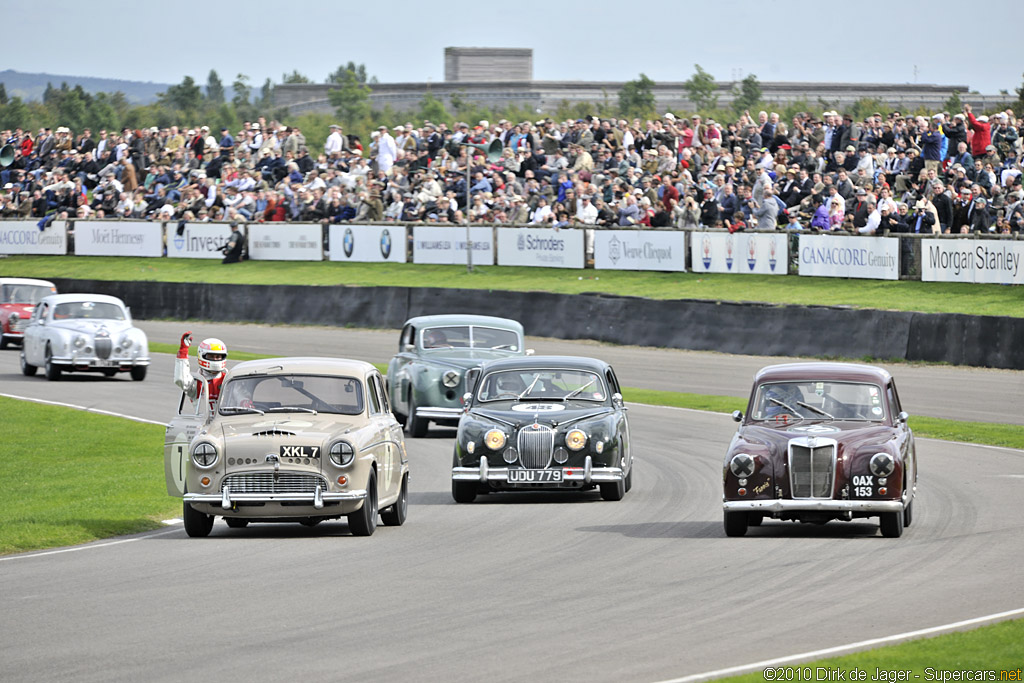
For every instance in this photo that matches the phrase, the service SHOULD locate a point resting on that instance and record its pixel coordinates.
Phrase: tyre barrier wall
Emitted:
(740, 328)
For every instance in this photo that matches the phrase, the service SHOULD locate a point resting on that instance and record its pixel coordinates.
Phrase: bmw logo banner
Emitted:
(367, 243)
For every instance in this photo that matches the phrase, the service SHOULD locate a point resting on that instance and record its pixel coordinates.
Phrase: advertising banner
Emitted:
(870, 258)
(763, 253)
(25, 237)
(447, 244)
(119, 238)
(640, 250)
(972, 260)
(367, 243)
(197, 240)
(544, 247)
(286, 242)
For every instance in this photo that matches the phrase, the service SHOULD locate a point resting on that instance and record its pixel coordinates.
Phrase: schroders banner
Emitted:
(639, 250)
(447, 244)
(544, 247)
(367, 243)
(119, 238)
(286, 242)
(197, 240)
(25, 237)
(763, 253)
(869, 258)
(972, 260)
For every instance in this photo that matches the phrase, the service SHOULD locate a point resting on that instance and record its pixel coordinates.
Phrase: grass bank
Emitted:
(927, 297)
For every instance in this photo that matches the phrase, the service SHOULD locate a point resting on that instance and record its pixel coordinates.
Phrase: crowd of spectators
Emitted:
(945, 173)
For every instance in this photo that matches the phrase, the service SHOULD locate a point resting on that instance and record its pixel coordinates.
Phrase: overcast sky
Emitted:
(942, 42)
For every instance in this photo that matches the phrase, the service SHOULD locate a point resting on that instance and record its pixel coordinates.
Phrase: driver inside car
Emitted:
(434, 339)
(787, 394)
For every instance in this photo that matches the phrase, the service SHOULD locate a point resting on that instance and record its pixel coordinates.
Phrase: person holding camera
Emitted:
(232, 249)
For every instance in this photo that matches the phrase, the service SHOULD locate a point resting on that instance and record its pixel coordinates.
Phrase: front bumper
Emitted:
(91, 362)
(812, 505)
(438, 413)
(588, 474)
(227, 500)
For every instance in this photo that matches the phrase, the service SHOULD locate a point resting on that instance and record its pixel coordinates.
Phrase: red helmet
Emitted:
(212, 355)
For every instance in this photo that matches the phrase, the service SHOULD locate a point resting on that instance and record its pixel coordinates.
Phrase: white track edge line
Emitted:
(845, 649)
(90, 546)
(87, 409)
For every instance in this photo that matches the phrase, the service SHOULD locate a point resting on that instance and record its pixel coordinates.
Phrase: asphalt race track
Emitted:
(546, 587)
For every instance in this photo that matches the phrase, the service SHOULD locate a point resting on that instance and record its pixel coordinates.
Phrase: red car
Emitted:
(821, 442)
(18, 298)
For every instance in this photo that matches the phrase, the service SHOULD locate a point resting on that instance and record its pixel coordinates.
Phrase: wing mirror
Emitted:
(617, 400)
(466, 398)
(409, 348)
(903, 416)
(737, 416)
(530, 352)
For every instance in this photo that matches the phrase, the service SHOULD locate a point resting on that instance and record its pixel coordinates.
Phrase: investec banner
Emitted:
(119, 238)
(286, 242)
(198, 240)
(25, 237)
(367, 243)
(639, 250)
(546, 247)
(447, 244)
(764, 253)
(972, 260)
(871, 258)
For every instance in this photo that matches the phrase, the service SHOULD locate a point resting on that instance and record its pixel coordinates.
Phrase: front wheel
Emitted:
(27, 369)
(735, 523)
(52, 369)
(415, 426)
(908, 514)
(891, 524)
(613, 490)
(197, 524)
(395, 514)
(138, 372)
(3, 342)
(363, 522)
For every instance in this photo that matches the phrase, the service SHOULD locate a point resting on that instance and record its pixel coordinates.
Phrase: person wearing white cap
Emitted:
(387, 151)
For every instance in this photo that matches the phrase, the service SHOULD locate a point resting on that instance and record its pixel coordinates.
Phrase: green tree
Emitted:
(186, 97)
(636, 98)
(14, 114)
(351, 100)
(432, 109)
(357, 70)
(294, 77)
(266, 100)
(701, 89)
(214, 88)
(747, 95)
(3, 94)
(242, 91)
(954, 103)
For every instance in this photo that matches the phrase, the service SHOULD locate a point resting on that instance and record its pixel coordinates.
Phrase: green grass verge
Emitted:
(996, 648)
(928, 297)
(72, 477)
(987, 433)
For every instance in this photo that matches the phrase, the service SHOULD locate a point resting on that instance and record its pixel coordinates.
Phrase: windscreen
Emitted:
(819, 400)
(24, 294)
(292, 393)
(98, 310)
(542, 385)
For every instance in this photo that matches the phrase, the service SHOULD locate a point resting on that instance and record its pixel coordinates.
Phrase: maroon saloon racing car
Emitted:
(821, 442)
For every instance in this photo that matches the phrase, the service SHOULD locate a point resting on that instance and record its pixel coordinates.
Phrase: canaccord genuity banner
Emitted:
(872, 258)
(972, 260)
(25, 237)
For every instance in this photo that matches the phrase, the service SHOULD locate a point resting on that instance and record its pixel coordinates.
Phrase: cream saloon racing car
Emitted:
(291, 440)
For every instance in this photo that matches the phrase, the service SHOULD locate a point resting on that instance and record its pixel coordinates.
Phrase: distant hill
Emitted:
(31, 86)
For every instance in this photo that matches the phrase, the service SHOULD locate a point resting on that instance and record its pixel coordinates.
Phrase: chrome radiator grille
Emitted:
(263, 482)
(535, 447)
(103, 346)
(812, 467)
(19, 325)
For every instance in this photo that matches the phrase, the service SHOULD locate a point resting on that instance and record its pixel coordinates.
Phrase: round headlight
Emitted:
(575, 440)
(341, 453)
(561, 455)
(494, 439)
(450, 379)
(79, 341)
(204, 455)
(126, 342)
(14, 318)
(510, 455)
(882, 464)
(742, 465)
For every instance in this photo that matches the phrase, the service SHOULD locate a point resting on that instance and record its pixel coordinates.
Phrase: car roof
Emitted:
(546, 363)
(309, 365)
(25, 281)
(851, 372)
(463, 319)
(72, 297)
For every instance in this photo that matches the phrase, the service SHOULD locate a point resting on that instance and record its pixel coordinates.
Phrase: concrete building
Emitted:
(498, 77)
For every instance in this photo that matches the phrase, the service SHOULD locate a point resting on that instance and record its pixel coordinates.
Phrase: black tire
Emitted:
(908, 514)
(236, 522)
(891, 524)
(629, 479)
(463, 491)
(415, 427)
(4, 342)
(52, 369)
(363, 522)
(26, 369)
(109, 372)
(613, 490)
(197, 524)
(754, 519)
(736, 523)
(396, 514)
(138, 372)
